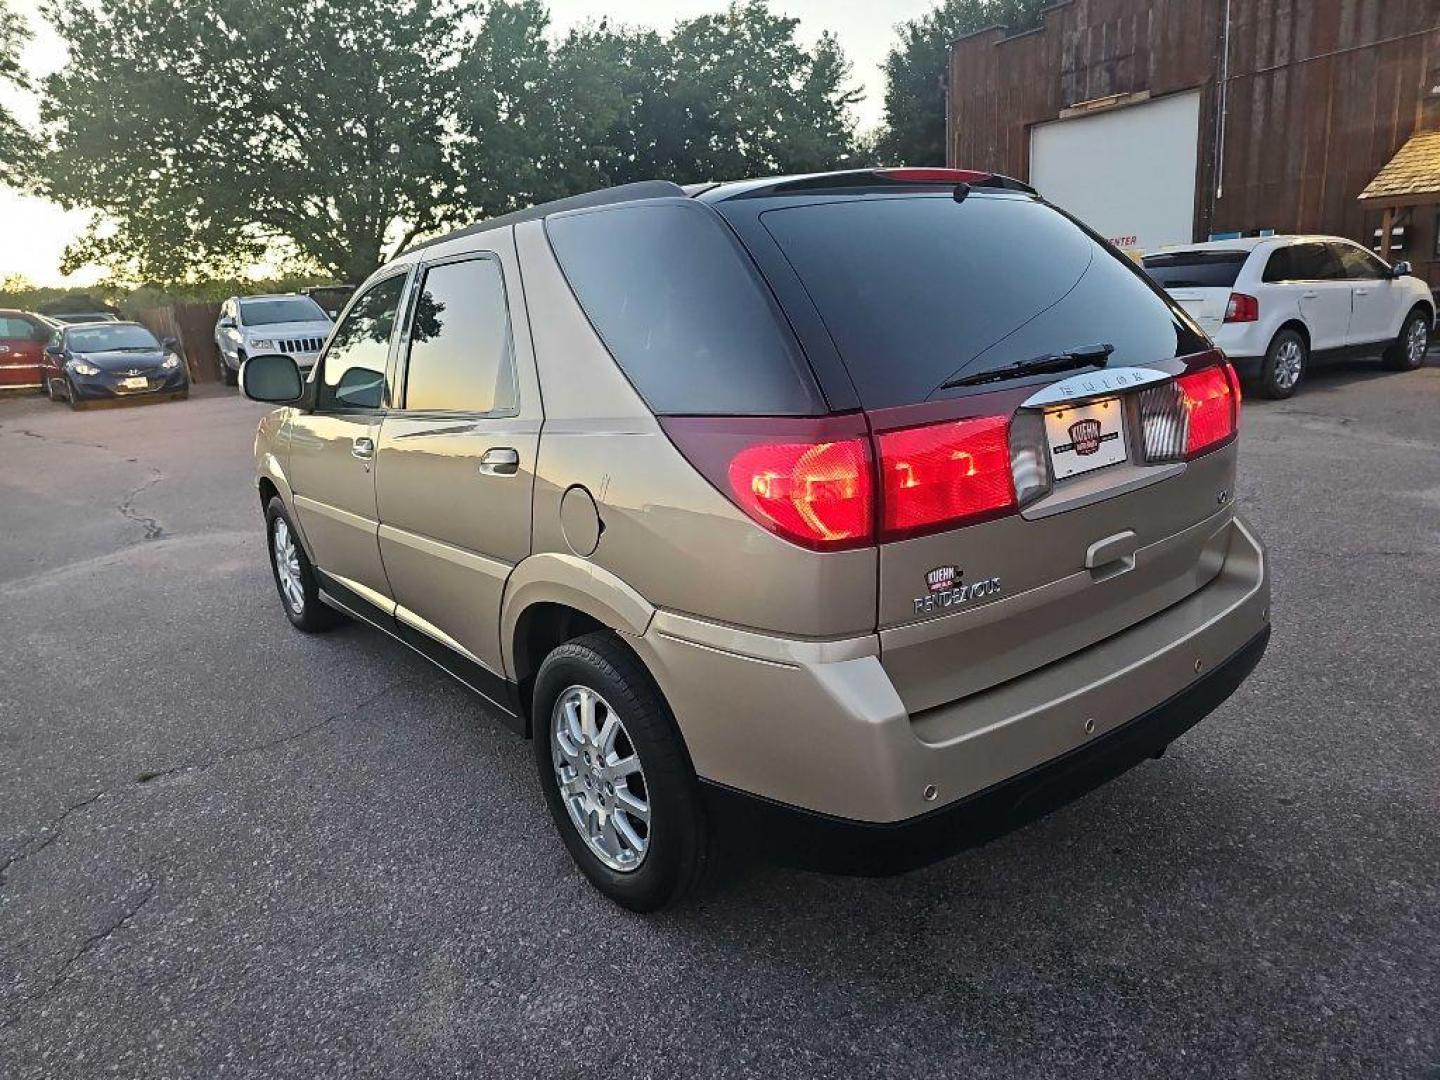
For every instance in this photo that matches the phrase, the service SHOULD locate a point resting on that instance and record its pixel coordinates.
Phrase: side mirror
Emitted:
(272, 378)
(1401, 269)
(170, 343)
(54, 350)
(227, 323)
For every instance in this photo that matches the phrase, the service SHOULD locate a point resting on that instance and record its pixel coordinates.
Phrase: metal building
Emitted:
(1167, 121)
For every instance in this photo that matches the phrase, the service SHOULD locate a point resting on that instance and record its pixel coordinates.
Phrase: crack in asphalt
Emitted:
(153, 529)
(51, 832)
(269, 744)
(55, 828)
(91, 943)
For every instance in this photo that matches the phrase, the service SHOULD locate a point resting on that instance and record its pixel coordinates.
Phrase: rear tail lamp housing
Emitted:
(1192, 415)
(830, 485)
(1242, 308)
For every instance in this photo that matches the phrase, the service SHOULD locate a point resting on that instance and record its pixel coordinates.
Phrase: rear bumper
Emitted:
(841, 846)
(818, 729)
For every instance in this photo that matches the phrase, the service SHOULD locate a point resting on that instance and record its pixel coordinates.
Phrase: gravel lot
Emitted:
(227, 849)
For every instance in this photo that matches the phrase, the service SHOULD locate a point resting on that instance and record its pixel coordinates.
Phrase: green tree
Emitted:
(914, 125)
(16, 144)
(214, 134)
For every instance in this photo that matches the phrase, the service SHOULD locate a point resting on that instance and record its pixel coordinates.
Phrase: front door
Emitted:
(333, 447)
(457, 456)
(1377, 297)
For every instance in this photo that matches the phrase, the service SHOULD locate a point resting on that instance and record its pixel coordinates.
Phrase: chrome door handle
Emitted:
(1310, 296)
(363, 448)
(500, 461)
(1362, 292)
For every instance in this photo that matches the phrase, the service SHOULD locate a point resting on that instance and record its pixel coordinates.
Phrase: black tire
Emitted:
(1398, 357)
(1275, 379)
(72, 397)
(312, 616)
(49, 390)
(229, 376)
(678, 841)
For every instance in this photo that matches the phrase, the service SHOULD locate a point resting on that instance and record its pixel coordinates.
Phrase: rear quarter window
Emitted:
(918, 290)
(680, 306)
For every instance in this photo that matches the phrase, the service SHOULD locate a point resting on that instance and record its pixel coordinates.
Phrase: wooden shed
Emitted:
(1168, 121)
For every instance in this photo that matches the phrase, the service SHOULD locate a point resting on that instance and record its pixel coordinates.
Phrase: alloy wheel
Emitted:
(601, 782)
(1289, 363)
(1418, 343)
(287, 566)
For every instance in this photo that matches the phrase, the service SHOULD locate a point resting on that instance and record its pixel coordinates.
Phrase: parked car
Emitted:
(290, 323)
(860, 516)
(109, 360)
(22, 346)
(1278, 305)
(77, 317)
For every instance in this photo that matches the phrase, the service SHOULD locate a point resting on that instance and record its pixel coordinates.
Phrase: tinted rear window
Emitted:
(683, 311)
(1196, 269)
(917, 290)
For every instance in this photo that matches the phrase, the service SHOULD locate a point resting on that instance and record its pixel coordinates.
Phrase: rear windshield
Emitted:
(290, 309)
(683, 311)
(917, 290)
(1196, 269)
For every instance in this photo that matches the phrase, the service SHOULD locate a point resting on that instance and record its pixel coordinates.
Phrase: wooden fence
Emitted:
(193, 325)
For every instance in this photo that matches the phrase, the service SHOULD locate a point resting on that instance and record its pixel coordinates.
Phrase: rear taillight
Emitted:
(1242, 309)
(817, 494)
(943, 475)
(809, 480)
(1190, 416)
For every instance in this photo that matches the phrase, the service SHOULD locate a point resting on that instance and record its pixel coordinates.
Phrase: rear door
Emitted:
(333, 447)
(457, 458)
(919, 292)
(1200, 281)
(22, 346)
(1322, 291)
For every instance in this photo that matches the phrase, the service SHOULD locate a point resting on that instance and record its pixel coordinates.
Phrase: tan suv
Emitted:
(856, 518)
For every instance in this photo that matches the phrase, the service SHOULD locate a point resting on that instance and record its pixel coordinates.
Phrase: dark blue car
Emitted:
(110, 360)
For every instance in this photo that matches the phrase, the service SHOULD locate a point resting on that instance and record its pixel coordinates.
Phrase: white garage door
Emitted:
(1129, 173)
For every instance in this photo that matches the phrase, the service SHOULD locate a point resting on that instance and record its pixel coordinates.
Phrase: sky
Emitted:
(37, 231)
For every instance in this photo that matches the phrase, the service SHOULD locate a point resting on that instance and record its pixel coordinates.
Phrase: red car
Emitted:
(22, 348)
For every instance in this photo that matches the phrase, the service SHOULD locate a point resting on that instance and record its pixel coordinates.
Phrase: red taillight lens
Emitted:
(817, 494)
(1242, 308)
(944, 474)
(1211, 399)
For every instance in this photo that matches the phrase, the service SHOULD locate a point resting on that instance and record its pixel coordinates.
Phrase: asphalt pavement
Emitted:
(229, 849)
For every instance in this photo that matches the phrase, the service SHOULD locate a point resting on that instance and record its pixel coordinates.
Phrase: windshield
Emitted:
(918, 290)
(1196, 269)
(288, 309)
(112, 338)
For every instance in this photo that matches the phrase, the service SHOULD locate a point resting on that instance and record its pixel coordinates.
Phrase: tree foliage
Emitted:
(214, 133)
(16, 144)
(914, 126)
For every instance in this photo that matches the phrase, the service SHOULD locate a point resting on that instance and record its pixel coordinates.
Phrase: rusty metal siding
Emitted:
(1321, 94)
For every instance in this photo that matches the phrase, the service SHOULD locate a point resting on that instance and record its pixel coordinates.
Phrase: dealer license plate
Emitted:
(1085, 437)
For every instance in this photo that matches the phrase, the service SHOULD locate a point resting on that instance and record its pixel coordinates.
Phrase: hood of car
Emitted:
(123, 361)
(311, 329)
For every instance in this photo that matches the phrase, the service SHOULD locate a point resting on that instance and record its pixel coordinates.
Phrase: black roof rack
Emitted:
(643, 189)
(897, 177)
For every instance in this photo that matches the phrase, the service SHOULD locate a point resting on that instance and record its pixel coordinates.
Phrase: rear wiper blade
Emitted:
(1080, 357)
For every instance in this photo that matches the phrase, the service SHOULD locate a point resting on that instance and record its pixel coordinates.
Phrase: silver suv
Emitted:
(286, 323)
(856, 517)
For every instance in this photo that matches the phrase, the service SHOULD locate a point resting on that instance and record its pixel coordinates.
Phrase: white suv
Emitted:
(1277, 304)
(287, 323)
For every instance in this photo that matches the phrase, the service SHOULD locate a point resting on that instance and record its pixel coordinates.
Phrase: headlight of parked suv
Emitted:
(171, 362)
(262, 343)
(80, 367)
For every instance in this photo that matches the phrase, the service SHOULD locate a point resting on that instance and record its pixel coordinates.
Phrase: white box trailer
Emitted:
(1127, 172)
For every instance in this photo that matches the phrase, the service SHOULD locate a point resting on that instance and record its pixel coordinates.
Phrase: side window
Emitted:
(1316, 262)
(353, 369)
(1281, 266)
(1359, 264)
(461, 353)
